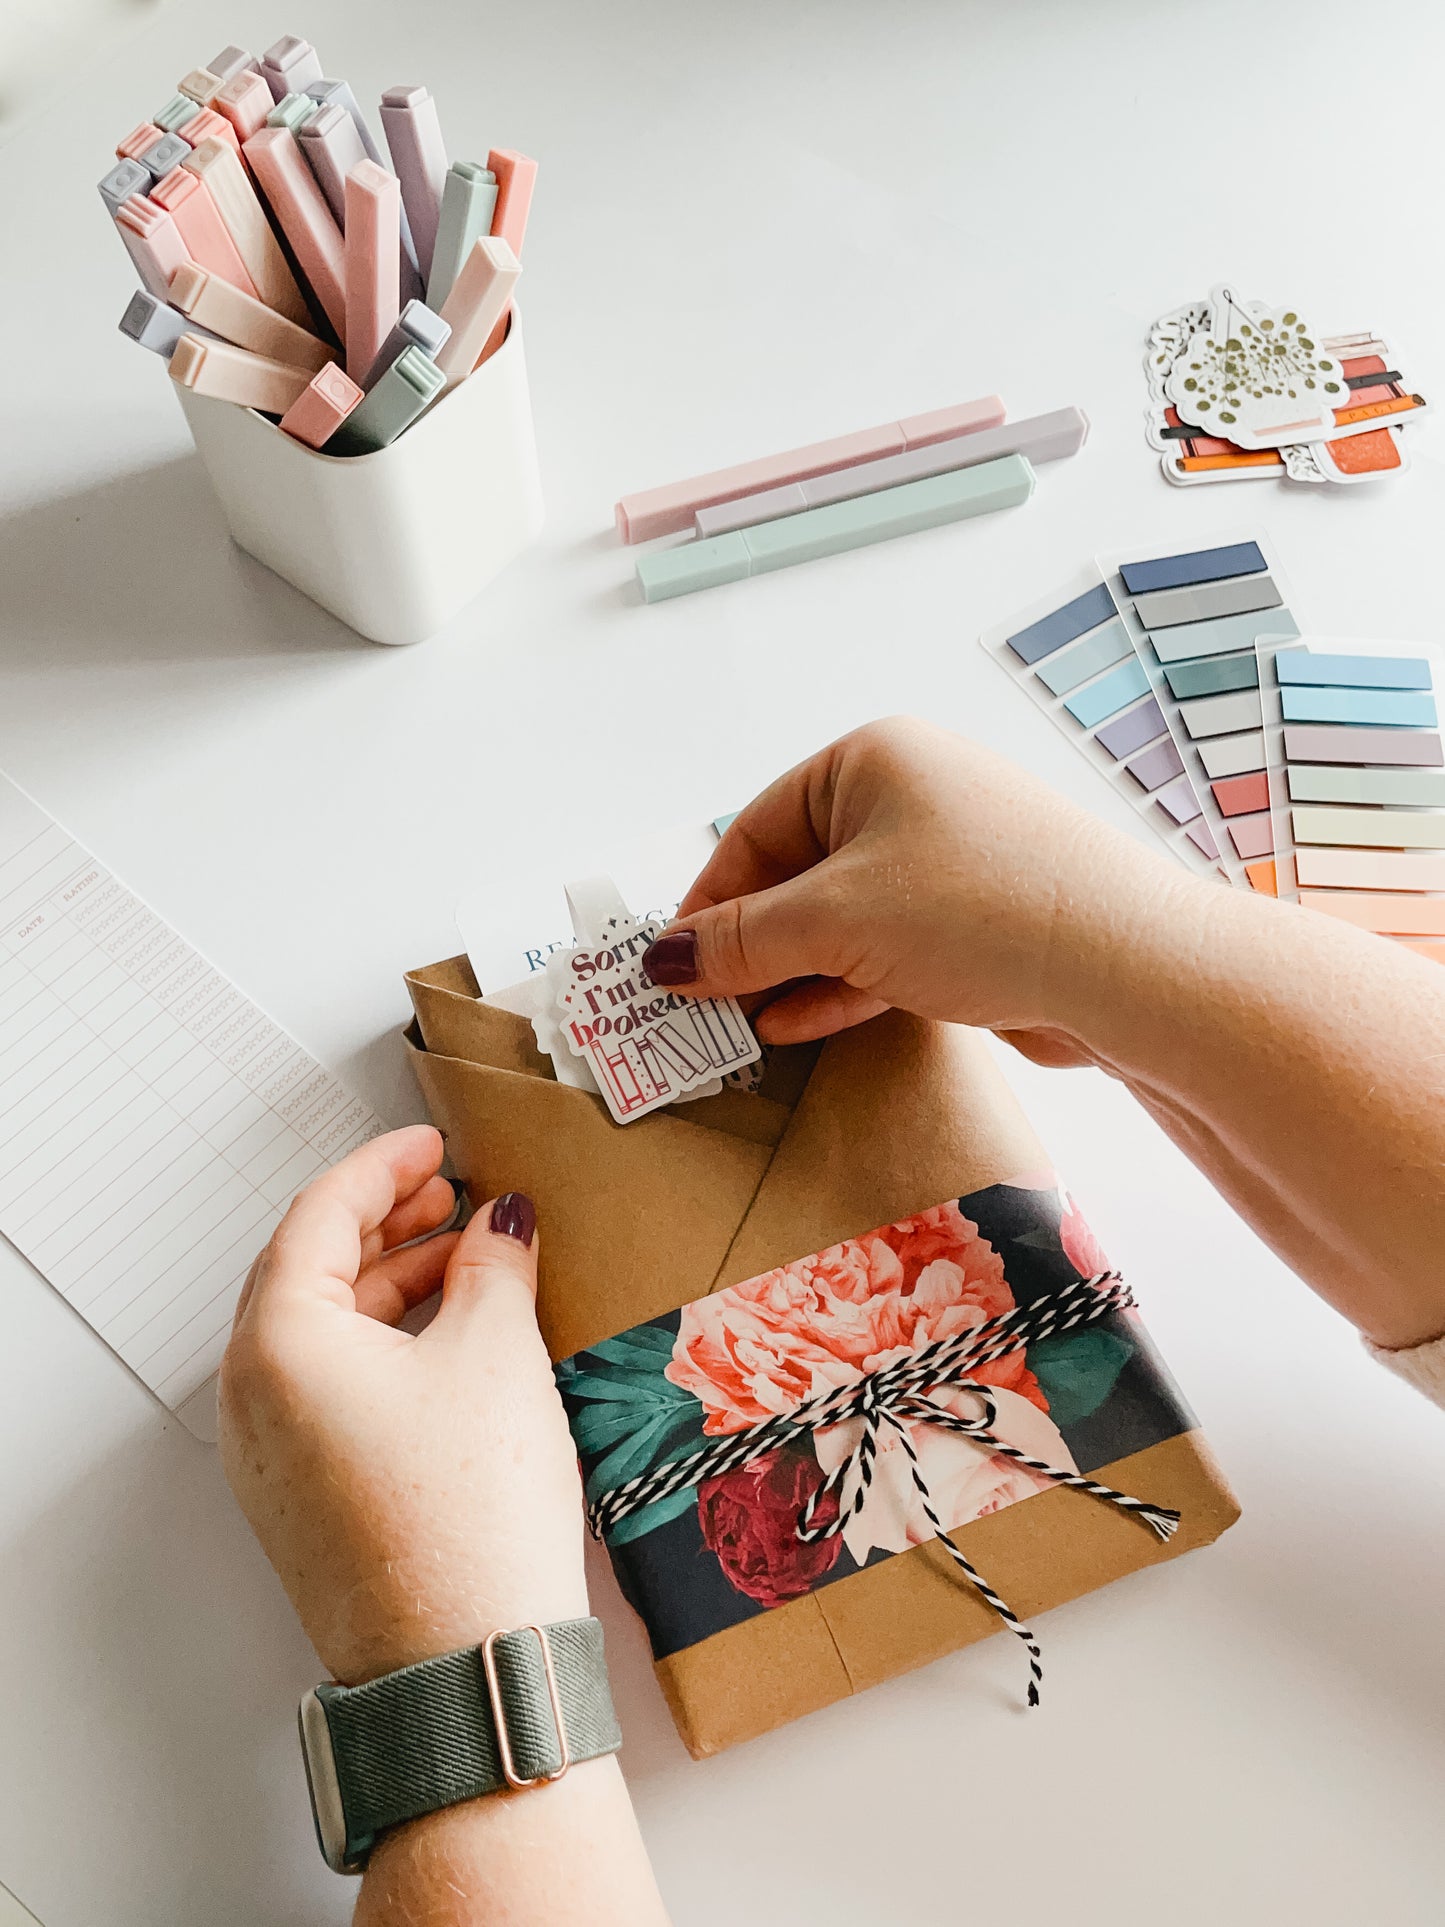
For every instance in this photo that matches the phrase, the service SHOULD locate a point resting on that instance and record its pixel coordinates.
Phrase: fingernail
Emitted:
(672, 959)
(515, 1216)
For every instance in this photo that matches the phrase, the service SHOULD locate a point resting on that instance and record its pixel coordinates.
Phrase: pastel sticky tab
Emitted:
(1369, 869)
(300, 207)
(1042, 438)
(1178, 801)
(1222, 715)
(240, 318)
(416, 327)
(185, 198)
(244, 102)
(1410, 788)
(290, 66)
(373, 256)
(231, 374)
(1202, 837)
(479, 298)
(1252, 836)
(1242, 795)
(1354, 672)
(1410, 709)
(667, 510)
(1393, 916)
(418, 153)
(1320, 743)
(231, 61)
(1212, 675)
(1063, 625)
(125, 179)
(153, 324)
(1188, 571)
(1156, 766)
(1232, 755)
(153, 242)
(393, 405)
(322, 406)
(843, 525)
(1374, 829)
(1099, 700)
(175, 113)
(293, 111)
(722, 824)
(1126, 733)
(201, 85)
(469, 199)
(1221, 637)
(1238, 596)
(229, 186)
(1067, 668)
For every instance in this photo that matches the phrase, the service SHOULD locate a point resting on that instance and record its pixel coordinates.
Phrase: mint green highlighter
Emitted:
(517, 1711)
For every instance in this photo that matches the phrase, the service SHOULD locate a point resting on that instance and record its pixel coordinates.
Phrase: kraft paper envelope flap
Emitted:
(897, 1116)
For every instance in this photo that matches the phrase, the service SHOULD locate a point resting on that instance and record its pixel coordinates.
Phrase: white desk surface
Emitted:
(756, 225)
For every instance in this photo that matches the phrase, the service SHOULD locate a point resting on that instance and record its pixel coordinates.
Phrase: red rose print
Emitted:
(750, 1519)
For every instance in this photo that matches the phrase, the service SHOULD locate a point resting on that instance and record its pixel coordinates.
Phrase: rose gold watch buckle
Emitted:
(499, 1716)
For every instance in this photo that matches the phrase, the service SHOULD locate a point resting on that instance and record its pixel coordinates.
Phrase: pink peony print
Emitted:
(1081, 1247)
(763, 1347)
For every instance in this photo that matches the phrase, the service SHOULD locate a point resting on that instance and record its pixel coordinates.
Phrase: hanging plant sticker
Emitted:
(1256, 376)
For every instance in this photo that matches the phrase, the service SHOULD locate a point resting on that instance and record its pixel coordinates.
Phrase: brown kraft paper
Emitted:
(884, 1121)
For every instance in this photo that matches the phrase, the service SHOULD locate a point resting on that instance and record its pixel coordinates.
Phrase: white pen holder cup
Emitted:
(397, 542)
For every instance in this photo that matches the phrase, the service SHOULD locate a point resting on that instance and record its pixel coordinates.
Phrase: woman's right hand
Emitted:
(904, 866)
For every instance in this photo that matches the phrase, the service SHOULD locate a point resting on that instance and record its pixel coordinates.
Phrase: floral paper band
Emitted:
(724, 1548)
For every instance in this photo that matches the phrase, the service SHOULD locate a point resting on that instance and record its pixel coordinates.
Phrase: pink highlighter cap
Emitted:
(322, 406)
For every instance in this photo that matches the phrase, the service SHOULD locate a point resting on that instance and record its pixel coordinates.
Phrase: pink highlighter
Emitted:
(373, 263)
(153, 242)
(299, 206)
(185, 197)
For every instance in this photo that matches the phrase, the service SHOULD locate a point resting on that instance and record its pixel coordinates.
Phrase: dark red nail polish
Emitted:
(515, 1216)
(672, 959)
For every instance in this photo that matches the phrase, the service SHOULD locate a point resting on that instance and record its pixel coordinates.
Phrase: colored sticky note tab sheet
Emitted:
(1391, 708)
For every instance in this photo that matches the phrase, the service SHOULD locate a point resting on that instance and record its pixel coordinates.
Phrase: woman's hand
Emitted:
(905, 866)
(413, 1493)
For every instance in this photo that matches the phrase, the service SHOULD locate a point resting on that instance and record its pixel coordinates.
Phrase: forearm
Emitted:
(1301, 1064)
(539, 1858)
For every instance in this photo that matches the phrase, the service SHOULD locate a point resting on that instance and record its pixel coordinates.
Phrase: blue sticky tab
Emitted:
(1109, 694)
(1066, 670)
(1394, 709)
(1200, 565)
(1075, 619)
(722, 824)
(1353, 672)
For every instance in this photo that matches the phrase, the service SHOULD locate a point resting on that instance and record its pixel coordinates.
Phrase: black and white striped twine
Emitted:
(896, 1397)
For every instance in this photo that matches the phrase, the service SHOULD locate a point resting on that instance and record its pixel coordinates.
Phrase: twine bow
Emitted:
(896, 1397)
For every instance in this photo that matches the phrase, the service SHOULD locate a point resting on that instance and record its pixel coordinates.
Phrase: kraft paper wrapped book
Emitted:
(880, 1125)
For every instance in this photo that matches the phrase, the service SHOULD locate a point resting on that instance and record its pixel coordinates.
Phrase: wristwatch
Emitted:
(516, 1711)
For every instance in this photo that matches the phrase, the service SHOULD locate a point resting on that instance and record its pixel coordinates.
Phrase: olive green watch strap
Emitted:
(516, 1711)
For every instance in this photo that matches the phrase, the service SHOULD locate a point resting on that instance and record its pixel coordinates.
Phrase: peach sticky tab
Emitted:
(231, 374)
(1334, 869)
(1263, 877)
(1424, 948)
(245, 102)
(322, 406)
(300, 206)
(373, 263)
(214, 304)
(1392, 916)
(185, 198)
